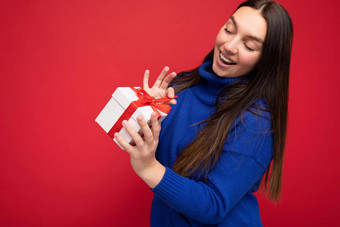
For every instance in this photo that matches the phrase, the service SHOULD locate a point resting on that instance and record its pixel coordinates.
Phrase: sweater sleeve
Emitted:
(243, 162)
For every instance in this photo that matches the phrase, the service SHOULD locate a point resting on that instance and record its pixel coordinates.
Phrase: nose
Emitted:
(231, 46)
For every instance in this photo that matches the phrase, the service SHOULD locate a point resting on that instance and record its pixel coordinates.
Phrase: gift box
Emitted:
(127, 103)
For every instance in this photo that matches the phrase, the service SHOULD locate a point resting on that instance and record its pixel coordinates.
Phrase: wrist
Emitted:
(153, 174)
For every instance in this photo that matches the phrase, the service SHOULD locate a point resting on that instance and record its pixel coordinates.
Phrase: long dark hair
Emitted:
(269, 81)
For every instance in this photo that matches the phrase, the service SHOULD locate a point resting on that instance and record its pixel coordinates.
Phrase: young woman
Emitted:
(228, 126)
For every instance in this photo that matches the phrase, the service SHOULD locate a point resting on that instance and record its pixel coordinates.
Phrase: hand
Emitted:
(160, 88)
(142, 155)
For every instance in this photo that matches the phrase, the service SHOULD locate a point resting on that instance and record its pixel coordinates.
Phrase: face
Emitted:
(239, 43)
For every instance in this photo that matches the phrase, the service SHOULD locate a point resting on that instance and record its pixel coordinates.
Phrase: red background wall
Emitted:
(60, 62)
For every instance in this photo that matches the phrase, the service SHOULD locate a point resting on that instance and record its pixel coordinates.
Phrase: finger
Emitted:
(146, 79)
(126, 146)
(171, 94)
(148, 136)
(161, 76)
(165, 83)
(172, 102)
(134, 134)
(156, 126)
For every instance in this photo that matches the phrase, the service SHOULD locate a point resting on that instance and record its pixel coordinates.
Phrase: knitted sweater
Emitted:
(225, 197)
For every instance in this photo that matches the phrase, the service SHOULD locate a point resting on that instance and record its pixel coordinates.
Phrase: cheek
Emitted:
(220, 39)
(249, 60)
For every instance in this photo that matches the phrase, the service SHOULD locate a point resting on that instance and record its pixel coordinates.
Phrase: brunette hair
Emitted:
(269, 81)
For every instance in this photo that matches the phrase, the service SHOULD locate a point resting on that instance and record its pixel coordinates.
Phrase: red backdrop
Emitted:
(60, 62)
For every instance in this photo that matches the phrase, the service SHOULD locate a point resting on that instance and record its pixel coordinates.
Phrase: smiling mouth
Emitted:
(225, 60)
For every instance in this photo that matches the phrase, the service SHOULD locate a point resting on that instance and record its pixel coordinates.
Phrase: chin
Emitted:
(218, 71)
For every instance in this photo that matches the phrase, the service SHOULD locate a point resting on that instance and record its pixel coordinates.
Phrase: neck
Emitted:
(211, 84)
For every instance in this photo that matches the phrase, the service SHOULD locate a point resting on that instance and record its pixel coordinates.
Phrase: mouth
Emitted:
(226, 60)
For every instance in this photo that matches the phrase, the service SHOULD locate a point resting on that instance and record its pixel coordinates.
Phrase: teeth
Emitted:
(225, 59)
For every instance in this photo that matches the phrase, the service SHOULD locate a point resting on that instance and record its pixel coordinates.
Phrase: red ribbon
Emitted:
(144, 99)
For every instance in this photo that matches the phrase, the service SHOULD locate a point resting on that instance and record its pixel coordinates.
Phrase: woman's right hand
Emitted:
(160, 88)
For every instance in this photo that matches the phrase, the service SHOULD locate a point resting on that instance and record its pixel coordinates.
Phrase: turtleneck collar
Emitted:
(211, 84)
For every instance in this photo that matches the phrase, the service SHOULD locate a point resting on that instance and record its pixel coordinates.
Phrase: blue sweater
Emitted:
(226, 197)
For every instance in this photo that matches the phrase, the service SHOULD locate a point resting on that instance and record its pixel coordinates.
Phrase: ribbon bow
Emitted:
(144, 99)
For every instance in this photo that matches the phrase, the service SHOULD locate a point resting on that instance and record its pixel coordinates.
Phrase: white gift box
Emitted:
(121, 99)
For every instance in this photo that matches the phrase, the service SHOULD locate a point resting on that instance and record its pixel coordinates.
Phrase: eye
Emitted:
(227, 31)
(250, 49)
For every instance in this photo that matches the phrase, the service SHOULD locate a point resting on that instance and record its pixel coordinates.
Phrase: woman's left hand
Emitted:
(161, 87)
(142, 155)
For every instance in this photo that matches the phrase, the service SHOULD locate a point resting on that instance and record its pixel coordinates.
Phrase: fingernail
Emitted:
(140, 118)
(116, 135)
(125, 123)
(154, 115)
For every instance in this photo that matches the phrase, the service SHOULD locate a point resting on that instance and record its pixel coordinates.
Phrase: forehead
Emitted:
(250, 22)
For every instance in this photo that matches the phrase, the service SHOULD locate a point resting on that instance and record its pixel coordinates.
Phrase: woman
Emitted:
(228, 125)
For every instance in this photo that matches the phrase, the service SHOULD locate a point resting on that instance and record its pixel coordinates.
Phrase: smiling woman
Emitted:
(227, 128)
(239, 43)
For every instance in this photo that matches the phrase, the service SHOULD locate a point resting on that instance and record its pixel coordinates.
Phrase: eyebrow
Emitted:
(249, 36)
